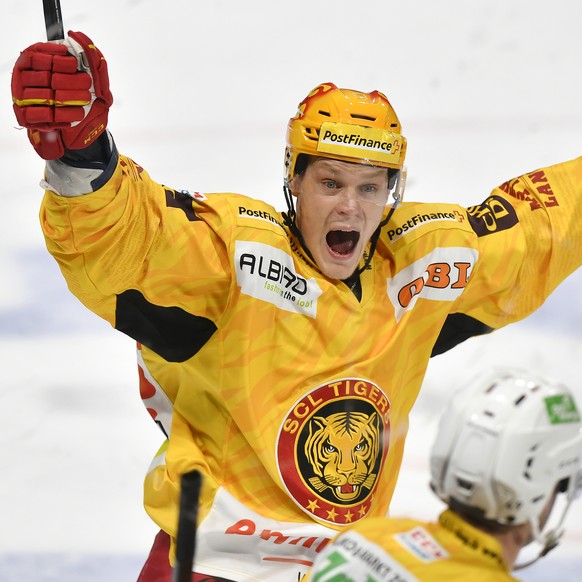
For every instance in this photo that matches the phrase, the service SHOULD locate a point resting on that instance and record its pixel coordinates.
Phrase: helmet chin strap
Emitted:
(374, 238)
(550, 539)
(289, 220)
(397, 196)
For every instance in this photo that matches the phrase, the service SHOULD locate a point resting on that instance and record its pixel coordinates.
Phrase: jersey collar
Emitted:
(485, 547)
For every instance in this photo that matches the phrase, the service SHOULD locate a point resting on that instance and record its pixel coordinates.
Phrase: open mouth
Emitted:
(342, 242)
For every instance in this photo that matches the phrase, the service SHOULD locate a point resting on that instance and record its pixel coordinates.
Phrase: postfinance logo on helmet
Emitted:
(371, 143)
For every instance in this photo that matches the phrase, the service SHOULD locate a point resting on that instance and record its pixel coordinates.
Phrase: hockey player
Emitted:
(508, 446)
(281, 352)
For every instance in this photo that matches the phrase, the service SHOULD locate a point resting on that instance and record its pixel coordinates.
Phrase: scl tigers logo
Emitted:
(341, 450)
(331, 449)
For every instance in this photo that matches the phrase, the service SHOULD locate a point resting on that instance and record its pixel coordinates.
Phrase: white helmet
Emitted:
(504, 444)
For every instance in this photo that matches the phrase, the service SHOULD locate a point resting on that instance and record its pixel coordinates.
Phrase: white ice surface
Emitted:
(485, 91)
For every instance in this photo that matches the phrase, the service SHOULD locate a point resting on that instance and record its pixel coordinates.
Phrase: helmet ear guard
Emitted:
(505, 444)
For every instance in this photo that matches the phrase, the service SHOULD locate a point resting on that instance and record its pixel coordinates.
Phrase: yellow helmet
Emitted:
(345, 125)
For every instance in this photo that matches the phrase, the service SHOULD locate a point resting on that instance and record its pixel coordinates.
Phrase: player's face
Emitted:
(339, 206)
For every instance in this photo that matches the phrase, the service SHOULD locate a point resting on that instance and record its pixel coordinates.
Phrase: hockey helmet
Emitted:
(504, 444)
(345, 125)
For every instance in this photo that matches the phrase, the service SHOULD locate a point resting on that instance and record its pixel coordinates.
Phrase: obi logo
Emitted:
(331, 448)
(268, 273)
(439, 276)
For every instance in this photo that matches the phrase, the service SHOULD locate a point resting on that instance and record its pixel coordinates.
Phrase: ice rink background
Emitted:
(485, 91)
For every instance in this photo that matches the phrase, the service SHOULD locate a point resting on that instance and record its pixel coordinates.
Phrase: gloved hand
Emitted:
(61, 94)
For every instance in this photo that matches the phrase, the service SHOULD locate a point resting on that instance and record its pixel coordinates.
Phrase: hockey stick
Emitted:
(53, 20)
(187, 518)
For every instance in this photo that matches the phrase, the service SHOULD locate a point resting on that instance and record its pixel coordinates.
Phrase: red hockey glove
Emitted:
(61, 94)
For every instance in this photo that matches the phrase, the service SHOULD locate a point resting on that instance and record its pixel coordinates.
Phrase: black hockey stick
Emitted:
(53, 19)
(187, 518)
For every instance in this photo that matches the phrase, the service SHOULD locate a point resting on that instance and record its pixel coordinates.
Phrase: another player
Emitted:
(508, 446)
(281, 352)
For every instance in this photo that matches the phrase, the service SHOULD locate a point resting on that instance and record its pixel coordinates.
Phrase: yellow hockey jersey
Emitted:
(405, 550)
(289, 394)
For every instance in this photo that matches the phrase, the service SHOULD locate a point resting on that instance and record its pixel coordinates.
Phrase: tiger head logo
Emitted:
(332, 447)
(342, 450)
